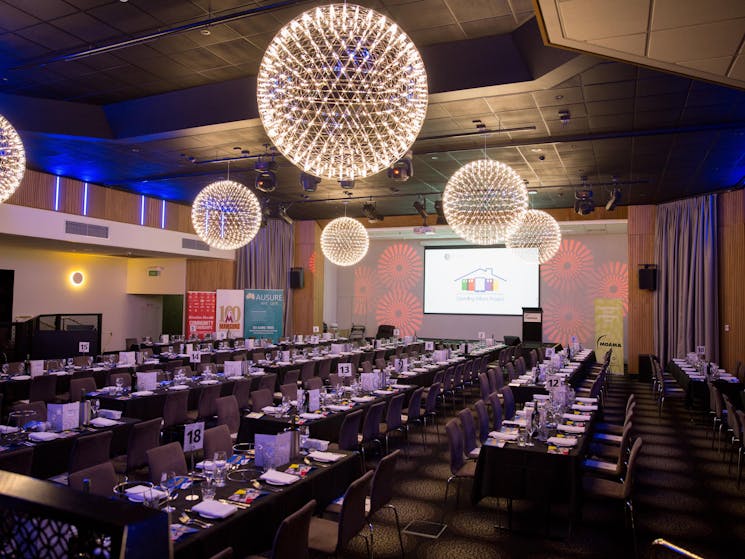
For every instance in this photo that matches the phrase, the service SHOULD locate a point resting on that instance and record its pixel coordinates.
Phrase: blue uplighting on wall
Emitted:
(85, 198)
(142, 210)
(56, 194)
(162, 214)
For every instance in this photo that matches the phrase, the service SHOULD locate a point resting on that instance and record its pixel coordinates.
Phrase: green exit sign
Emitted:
(153, 273)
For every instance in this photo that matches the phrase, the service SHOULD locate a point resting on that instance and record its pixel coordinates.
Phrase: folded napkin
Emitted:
(401, 386)
(311, 416)
(420, 369)
(562, 441)
(316, 444)
(21, 377)
(271, 409)
(580, 407)
(514, 423)
(539, 397)
(178, 387)
(143, 393)
(214, 509)
(43, 436)
(6, 429)
(137, 493)
(443, 363)
(103, 422)
(339, 407)
(570, 428)
(514, 384)
(360, 399)
(382, 392)
(587, 400)
(210, 381)
(283, 363)
(407, 374)
(59, 373)
(324, 456)
(500, 436)
(278, 478)
(577, 416)
(111, 414)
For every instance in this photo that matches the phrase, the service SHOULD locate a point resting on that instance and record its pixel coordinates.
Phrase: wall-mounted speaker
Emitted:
(297, 280)
(648, 278)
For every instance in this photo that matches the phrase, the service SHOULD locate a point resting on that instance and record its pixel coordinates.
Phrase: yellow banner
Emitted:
(609, 332)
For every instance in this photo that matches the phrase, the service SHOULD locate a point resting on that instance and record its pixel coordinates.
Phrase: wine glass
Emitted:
(6, 368)
(90, 360)
(95, 406)
(220, 461)
(168, 484)
(119, 384)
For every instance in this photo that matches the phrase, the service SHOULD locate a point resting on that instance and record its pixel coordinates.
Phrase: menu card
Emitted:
(36, 367)
(63, 417)
(233, 368)
(147, 380)
(314, 400)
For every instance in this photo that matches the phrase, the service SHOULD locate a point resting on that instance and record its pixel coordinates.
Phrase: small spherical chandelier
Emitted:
(540, 231)
(344, 241)
(226, 215)
(12, 160)
(342, 92)
(484, 201)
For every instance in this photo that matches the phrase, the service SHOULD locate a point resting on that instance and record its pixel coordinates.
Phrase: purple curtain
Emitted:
(687, 300)
(265, 263)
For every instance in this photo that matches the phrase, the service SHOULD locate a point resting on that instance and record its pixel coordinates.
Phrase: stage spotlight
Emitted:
(282, 213)
(583, 204)
(421, 207)
(403, 169)
(440, 213)
(615, 197)
(309, 182)
(266, 180)
(371, 212)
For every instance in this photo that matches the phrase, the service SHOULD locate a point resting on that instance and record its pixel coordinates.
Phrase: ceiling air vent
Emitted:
(86, 229)
(194, 244)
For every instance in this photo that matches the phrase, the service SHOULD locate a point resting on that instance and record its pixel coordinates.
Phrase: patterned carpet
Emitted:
(683, 493)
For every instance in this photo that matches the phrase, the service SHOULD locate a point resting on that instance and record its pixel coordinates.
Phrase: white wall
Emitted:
(42, 286)
(170, 281)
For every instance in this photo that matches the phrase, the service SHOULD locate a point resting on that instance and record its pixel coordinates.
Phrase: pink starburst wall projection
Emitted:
(571, 268)
(312, 262)
(562, 320)
(399, 266)
(364, 290)
(401, 309)
(612, 282)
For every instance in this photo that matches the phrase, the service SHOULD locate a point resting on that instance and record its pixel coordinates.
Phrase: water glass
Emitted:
(521, 437)
(220, 462)
(151, 498)
(168, 484)
(209, 489)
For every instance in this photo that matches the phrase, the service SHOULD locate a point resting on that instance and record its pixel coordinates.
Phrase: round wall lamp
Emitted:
(77, 279)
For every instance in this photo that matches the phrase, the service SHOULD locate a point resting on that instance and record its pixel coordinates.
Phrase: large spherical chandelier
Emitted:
(484, 201)
(226, 215)
(538, 230)
(342, 92)
(12, 160)
(344, 241)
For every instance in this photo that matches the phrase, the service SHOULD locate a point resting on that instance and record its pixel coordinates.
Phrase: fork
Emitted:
(186, 519)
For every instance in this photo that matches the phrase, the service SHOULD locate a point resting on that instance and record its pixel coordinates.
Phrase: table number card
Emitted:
(36, 367)
(429, 346)
(84, 347)
(396, 332)
(482, 335)
(286, 355)
(314, 400)
(316, 329)
(193, 436)
(195, 357)
(344, 369)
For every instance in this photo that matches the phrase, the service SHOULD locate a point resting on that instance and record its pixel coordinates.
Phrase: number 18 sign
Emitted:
(193, 436)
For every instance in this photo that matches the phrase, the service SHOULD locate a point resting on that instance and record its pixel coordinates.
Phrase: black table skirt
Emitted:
(252, 530)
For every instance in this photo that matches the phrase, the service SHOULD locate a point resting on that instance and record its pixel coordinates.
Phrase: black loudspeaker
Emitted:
(6, 296)
(297, 280)
(648, 278)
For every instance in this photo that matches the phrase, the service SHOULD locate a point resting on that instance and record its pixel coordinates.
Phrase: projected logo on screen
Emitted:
(481, 280)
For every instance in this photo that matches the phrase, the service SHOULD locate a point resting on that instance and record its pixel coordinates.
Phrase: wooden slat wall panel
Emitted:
(122, 206)
(182, 221)
(209, 275)
(641, 234)
(304, 300)
(36, 191)
(731, 274)
(71, 196)
(152, 212)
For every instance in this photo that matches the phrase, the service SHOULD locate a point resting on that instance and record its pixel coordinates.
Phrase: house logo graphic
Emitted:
(480, 280)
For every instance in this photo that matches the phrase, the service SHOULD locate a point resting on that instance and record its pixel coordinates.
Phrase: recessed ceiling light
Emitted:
(536, 150)
(205, 31)
(532, 192)
(559, 97)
